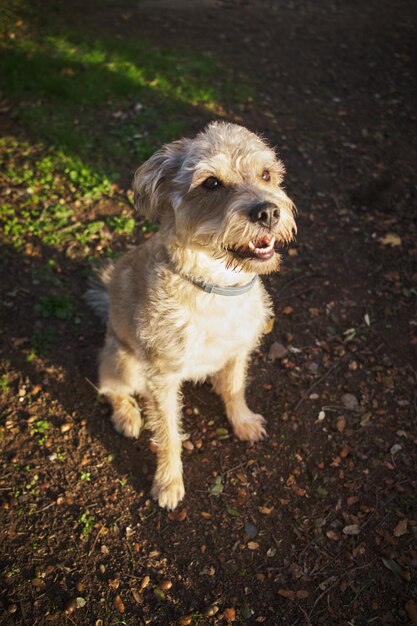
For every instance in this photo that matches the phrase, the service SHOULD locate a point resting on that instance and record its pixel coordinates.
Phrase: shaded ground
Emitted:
(318, 524)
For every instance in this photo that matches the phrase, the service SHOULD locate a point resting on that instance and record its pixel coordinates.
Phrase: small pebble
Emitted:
(350, 401)
(188, 445)
(165, 585)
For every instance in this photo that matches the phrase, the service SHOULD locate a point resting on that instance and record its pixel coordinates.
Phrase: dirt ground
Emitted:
(317, 524)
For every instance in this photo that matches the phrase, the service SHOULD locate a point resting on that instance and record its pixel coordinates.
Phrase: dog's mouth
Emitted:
(260, 249)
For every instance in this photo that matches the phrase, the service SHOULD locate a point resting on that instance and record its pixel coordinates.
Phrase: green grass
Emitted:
(103, 99)
(87, 523)
(55, 305)
(88, 109)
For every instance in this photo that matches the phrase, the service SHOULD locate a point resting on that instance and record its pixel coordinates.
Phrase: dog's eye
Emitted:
(211, 183)
(266, 175)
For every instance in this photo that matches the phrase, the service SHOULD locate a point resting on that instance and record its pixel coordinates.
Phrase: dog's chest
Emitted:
(221, 328)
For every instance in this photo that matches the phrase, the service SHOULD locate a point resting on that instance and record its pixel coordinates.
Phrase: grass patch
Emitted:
(92, 108)
(55, 305)
(104, 99)
(41, 342)
(87, 523)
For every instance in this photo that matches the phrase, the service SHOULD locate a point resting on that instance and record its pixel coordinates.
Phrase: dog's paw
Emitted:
(168, 494)
(250, 427)
(126, 418)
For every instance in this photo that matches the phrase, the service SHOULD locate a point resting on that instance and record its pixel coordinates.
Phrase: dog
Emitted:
(188, 304)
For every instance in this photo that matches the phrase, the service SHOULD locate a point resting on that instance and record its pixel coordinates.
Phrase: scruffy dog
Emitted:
(188, 304)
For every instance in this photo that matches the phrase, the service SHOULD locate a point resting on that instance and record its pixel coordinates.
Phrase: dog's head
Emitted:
(220, 193)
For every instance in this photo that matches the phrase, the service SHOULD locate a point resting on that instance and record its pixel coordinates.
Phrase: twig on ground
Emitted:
(317, 382)
(95, 540)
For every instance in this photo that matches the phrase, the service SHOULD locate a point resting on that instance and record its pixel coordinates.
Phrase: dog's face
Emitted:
(220, 193)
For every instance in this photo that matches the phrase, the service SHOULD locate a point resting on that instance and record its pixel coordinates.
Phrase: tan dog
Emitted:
(188, 304)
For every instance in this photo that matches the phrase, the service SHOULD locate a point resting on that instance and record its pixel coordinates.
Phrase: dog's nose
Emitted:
(265, 213)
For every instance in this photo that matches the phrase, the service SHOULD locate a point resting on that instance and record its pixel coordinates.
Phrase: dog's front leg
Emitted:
(229, 383)
(164, 421)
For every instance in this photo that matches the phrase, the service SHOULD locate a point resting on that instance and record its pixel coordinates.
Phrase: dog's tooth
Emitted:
(252, 247)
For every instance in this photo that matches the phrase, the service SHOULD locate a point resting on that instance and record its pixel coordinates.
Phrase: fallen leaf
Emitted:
(411, 608)
(211, 610)
(299, 491)
(253, 545)
(217, 486)
(341, 424)
(287, 310)
(113, 583)
(286, 593)
(266, 510)
(222, 433)
(118, 604)
(233, 512)
(80, 602)
(67, 71)
(390, 239)
(229, 615)
(136, 595)
(352, 529)
(178, 516)
(246, 612)
(295, 570)
(269, 326)
(159, 593)
(401, 528)
(393, 566)
(145, 582)
(352, 500)
(302, 593)
(332, 535)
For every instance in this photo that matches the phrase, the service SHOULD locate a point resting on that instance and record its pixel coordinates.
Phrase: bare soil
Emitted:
(318, 524)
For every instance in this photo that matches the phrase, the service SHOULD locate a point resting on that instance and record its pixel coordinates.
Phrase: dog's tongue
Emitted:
(262, 248)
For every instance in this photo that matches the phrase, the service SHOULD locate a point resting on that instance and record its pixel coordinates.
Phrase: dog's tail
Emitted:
(97, 295)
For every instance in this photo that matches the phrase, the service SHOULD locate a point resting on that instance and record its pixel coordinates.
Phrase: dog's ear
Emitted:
(151, 180)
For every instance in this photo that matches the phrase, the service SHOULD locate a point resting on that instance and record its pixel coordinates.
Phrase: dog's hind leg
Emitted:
(120, 379)
(229, 383)
(164, 420)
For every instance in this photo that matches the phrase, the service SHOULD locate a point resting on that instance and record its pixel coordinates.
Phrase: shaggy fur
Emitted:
(222, 211)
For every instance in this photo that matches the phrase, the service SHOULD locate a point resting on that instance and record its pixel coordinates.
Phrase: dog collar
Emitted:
(223, 291)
